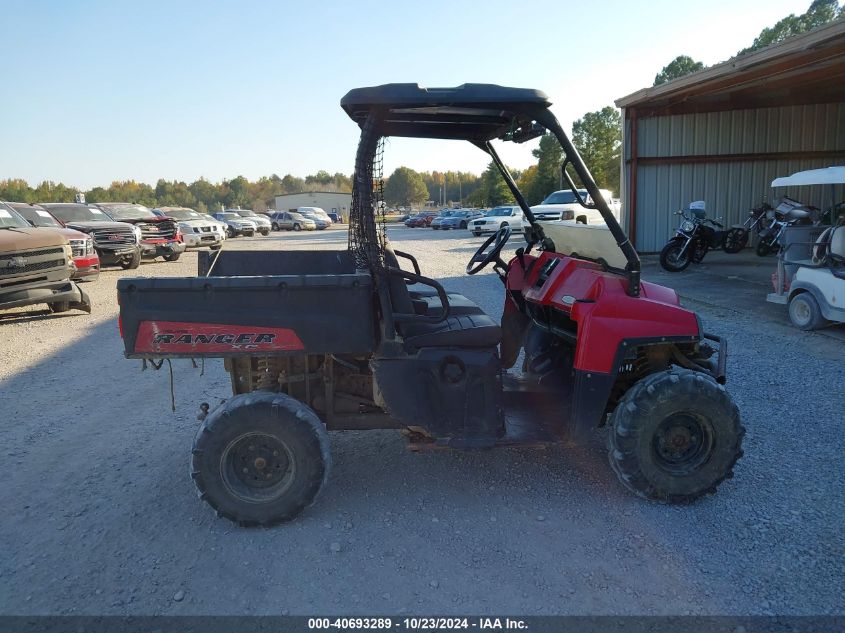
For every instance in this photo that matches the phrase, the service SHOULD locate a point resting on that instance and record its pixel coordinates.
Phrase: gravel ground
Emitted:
(102, 518)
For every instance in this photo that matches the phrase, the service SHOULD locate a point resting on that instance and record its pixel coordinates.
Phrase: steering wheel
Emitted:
(482, 257)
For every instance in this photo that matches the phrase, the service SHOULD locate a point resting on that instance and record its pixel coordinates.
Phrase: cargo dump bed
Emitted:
(252, 302)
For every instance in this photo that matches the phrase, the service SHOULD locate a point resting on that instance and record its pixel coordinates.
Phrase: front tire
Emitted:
(261, 459)
(296, 227)
(671, 259)
(59, 307)
(172, 257)
(230, 233)
(133, 262)
(805, 313)
(764, 248)
(265, 232)
(675, 436)
(276, 227)
(477, 233)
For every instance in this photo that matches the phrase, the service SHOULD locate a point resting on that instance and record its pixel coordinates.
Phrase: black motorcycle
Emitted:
(788, 213)
(696, 235)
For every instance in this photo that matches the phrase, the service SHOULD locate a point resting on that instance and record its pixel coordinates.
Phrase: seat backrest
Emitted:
(837, 241)
(400, 296)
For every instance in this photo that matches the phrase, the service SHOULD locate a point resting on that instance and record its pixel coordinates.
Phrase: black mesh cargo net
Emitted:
(366, 218)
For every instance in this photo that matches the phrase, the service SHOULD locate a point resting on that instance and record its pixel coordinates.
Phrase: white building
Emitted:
(328, 201)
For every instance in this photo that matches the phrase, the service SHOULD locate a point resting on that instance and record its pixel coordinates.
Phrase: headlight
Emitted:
(68, 252)
(137, 231)
(687, 226)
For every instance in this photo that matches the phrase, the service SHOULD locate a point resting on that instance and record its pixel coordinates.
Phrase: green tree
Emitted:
(679, 67)
(598, 138)
(495, 188)
(819, 13)
(546, 179)
(405, 187)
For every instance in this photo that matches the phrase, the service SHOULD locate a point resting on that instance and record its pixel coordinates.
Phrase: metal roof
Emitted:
(804, 69)
(826, 176)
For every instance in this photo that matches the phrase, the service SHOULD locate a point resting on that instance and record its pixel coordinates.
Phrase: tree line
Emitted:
(201, 194)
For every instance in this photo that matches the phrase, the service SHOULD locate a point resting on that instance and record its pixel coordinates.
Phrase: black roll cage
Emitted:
(476, 113)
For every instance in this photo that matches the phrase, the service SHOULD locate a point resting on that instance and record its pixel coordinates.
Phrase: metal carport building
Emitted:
(724, 133)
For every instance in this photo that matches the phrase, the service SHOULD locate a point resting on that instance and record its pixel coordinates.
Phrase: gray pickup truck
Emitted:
(36, 266)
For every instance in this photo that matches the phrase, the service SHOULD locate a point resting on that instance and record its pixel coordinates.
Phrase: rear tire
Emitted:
(132, 263)
(735, 240)
(260, 459)
(669, 259)
(805, 313)
(216, 247)
(675, 436)
(276, 227)
(265, 232)
(477, 233)
(230, 232)
(463, 225)
(296, 227)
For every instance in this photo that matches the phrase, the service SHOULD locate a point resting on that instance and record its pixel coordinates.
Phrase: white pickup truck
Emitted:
(563, 205)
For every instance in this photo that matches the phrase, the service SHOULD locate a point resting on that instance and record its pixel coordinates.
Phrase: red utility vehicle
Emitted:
(349, 340)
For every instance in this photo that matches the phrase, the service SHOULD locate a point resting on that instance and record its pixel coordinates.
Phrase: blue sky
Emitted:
(102, 91)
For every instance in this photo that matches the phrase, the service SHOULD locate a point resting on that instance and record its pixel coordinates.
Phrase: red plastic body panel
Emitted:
(177, 338)
(605, 315)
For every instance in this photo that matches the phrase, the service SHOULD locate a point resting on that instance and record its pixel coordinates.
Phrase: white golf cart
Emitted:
(810, 277)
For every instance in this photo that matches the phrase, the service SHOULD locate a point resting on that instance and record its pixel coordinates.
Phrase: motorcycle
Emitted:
(789, 212)
(696, 235)
(756, 222)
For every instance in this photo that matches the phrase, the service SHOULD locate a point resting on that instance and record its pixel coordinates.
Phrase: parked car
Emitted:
(315, 213)
(496, 218)
(459, 219)
(235, 224)
(334, 217)
(35, 267)
(85, 257)
(116, 243)
(421, 219)
(198, 229)
(262, 222)
(438, 219)
(321, 222)
(291, 221)
(160, 235)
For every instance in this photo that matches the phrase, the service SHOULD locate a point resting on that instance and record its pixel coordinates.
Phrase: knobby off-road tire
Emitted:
(260, 459)
(675, 436)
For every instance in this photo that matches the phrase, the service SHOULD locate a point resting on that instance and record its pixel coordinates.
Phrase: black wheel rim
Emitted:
(682, 443)
(257, 467)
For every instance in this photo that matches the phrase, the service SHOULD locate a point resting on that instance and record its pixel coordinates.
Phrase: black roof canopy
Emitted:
(473, 112)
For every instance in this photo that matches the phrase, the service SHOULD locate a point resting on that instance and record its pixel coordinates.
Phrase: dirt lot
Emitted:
(102, 518)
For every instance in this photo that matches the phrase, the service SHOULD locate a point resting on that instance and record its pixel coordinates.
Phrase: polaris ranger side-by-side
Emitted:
(352, 340)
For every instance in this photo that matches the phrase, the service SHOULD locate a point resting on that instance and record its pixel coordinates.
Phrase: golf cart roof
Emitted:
(473, 112)
(825, 176)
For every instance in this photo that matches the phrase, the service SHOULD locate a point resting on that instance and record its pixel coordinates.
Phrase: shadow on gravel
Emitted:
(28, 316)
